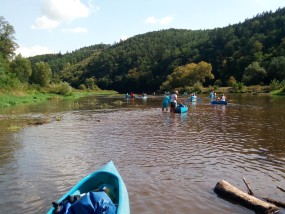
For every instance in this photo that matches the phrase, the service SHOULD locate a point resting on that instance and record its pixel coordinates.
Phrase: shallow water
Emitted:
(169, 162)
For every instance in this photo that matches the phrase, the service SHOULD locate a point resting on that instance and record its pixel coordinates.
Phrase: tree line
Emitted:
(247, 53)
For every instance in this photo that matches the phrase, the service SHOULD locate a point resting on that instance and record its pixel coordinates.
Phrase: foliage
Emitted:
(41, 74)
(254, 74)
(7, 43)
(69, 67)
(276, 84)
(231, 81)
(62, 88)
(22, 68)
(277, 68)
(218, 82)
(188, 75)
(7, 80)
(198, 87)
(82, 87)
(91, 84)
(239, 87)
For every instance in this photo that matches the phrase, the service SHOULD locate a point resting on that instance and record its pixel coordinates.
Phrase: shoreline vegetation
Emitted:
(13, 98)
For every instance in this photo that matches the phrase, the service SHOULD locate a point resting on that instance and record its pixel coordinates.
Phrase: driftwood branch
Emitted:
(283, 190)
(228, 191)
(270, 200)
(277, 203)
(247, 185)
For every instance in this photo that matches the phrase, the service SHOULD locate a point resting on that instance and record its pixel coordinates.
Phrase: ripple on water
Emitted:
(170, 162)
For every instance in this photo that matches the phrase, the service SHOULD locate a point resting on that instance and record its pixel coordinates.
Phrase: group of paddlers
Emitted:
(213, 96)
(172, 100)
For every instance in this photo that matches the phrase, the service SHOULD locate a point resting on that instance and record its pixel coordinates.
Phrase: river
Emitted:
(169, 162)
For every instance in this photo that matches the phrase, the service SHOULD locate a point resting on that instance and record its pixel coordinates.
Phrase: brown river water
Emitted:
(169, 162)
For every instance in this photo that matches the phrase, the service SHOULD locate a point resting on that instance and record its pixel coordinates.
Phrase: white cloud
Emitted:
(75, 30)
(33, 51)
(162, 21)
(44, 23)
(55, 12)
(64, 10)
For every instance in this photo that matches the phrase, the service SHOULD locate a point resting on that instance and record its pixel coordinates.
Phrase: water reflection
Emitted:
(170, 162)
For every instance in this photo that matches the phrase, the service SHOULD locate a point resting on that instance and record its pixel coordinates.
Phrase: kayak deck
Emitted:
(105, 179)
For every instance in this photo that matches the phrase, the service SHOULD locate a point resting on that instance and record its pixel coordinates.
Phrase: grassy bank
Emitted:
(29, 97)
(257, 89)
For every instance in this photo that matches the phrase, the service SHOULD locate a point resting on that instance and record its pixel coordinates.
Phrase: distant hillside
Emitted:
(142, 63)
(59, 61)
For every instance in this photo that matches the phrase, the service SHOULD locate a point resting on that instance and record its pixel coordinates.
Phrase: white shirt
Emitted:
(173, 98)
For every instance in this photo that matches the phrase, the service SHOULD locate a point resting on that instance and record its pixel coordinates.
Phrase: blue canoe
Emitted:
(107, 176)
(219, 102)
(181, 108)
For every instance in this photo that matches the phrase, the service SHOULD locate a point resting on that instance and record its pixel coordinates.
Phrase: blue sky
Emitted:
(53, 26)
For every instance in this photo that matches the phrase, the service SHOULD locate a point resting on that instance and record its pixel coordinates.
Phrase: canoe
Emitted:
(219, 102)
(181, 108)
(106, 178)
(142, 97)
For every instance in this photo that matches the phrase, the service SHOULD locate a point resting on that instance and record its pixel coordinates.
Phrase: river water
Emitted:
(169, 162)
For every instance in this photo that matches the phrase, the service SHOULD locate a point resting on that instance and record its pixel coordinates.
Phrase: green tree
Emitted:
(7, 43)
(41, 74)
(7, 79)
(231, 81)
(22, 68)
(188, 75)
(254, 74)
(276, 69)
(257, 51)
(91, 83)
(3, 71)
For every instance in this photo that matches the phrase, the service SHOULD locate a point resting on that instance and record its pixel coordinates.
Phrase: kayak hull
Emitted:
(181, 109)
(219, 102)
(108, 176)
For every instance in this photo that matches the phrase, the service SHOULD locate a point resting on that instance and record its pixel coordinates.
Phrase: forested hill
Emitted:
(252, 52)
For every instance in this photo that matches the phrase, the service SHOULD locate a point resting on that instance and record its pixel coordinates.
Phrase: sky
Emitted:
(53, 26)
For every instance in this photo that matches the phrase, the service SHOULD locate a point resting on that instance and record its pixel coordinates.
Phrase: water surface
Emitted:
(169, 162)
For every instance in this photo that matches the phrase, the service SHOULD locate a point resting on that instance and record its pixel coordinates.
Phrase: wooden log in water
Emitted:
(277, 203)
(230, 192)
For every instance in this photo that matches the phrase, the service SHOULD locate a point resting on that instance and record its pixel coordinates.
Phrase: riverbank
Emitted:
(29, 97)
(247, 89)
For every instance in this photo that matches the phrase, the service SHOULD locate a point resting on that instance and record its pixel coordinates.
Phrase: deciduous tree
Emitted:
(188, 75)
(7, 43)
(22, 68)
(41, 74)
(254, 74)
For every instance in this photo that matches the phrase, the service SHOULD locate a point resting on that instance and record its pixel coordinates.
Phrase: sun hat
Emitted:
(176, 92)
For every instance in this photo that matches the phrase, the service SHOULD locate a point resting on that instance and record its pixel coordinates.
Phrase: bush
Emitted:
(62, 88)
(276, 84)
(231, 81)
(82, 87)
(239, 87)
(198, 87)
(218, 83)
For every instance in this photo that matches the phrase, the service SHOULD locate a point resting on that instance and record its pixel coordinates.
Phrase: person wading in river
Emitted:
(173, 101)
